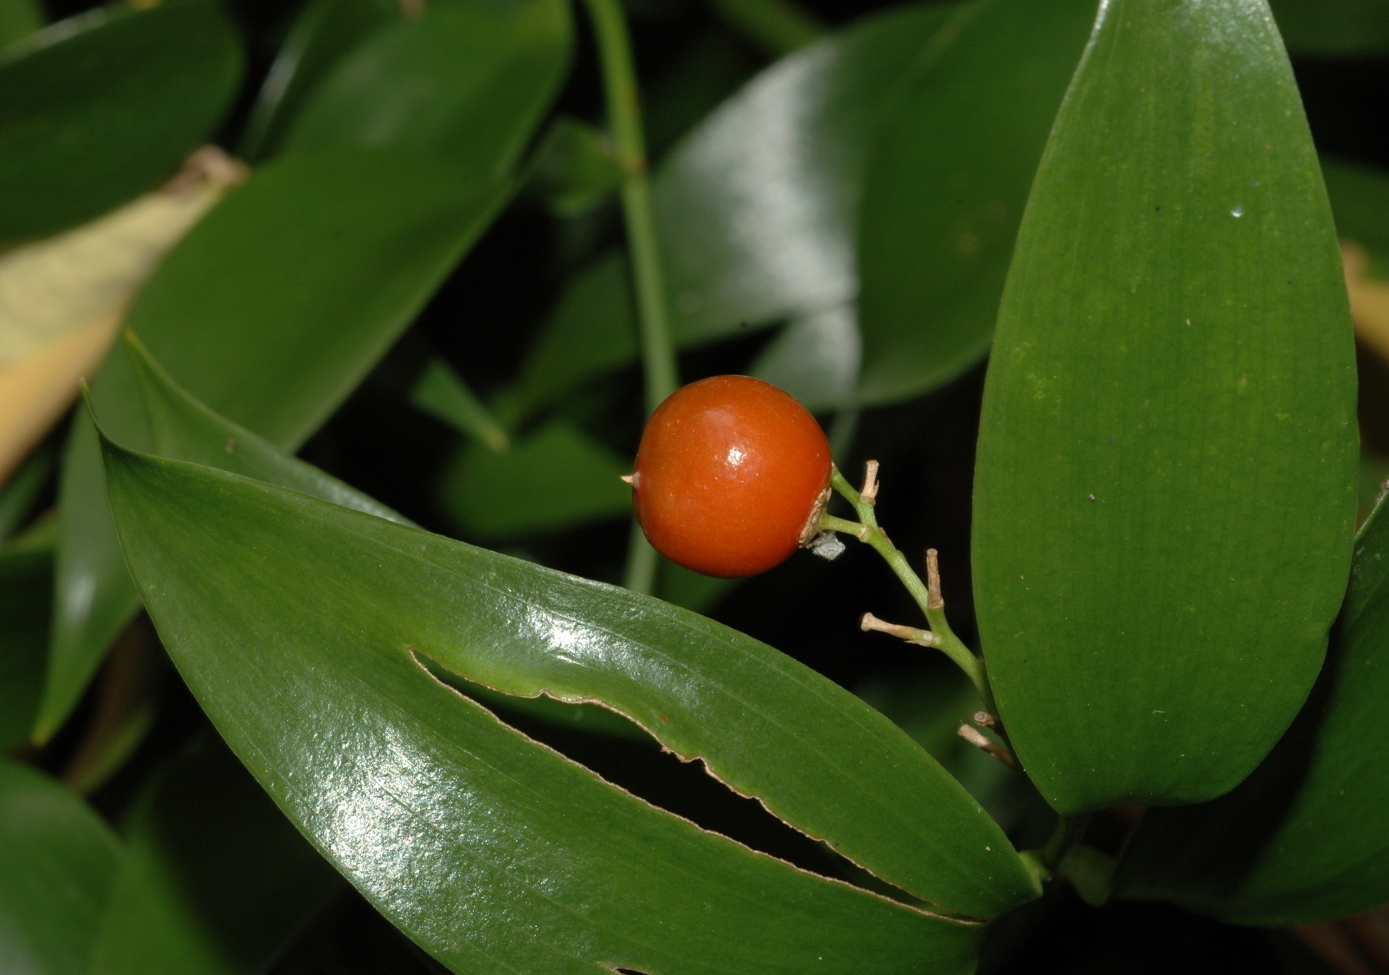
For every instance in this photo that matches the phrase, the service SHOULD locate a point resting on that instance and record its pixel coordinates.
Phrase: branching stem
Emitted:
(927, 597)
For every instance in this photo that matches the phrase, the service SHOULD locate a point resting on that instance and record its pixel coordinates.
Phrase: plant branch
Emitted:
(624, 121)
(659, 368)
(866, 530)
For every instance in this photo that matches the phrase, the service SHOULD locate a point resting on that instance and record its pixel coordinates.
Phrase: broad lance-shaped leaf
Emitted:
(1306, 837)
(1165, 490)
(105, 105)
(756, 206)
(57, 864)
(214, 881)
(324, 32)
(185, 428)
(944, 194)
(488, 73)
(270, 311)
(293, 622)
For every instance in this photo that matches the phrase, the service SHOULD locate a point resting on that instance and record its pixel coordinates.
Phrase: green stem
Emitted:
(624, 120)
(1070, 830)
(867, 530)
(659, 367)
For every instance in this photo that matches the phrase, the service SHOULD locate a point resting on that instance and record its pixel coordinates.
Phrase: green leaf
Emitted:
(270, 311)
(1303, 839)
(1360, 200)
(184, 428)
(574, 169)
(945, 192)
(101, 107)
(469, 80)
(294, 621)
(323, 33)
(19, 19)
(1333, 28)
(214, 881)
(555, 478)
(19, 495)
(26, 600)
(1165, 489)
(441, 393)
(592, 330)
(57, 864)
(756, 206)
(815, 358)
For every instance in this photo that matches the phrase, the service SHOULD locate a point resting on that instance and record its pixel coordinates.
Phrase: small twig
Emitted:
(870, 483)
(981, 741)
(911, 634)
(934, 600)
(985, 720)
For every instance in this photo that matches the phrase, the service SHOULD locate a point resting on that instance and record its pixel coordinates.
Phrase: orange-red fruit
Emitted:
(731, 477)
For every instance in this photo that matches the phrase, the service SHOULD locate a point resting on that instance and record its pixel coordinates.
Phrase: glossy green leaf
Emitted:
(815, 358)
(574, 168)
(1165, 489)
(270, 311)
(102, 107)
(295, 622)
(57, 864)
(215, 881)
(756, 206)
(19, 19)
(26, 602)
(470, 80)
(183, 428)
(1333, 28)
(766, 725)
(555, 478)
(441, 393)
(323, 33)
(1306, 837)
(945, 192)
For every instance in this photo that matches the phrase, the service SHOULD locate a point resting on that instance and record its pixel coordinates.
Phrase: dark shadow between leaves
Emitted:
(623, 753)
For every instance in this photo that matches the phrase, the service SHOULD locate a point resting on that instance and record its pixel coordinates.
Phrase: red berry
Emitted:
(732, 475)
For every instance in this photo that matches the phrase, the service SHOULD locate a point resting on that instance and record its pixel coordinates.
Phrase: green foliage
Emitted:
(972, 124)
(1166, 476)
(349, 246)
(1303, 838)
(385, 744)
(58, 861)
(105, 106)
(388, 750)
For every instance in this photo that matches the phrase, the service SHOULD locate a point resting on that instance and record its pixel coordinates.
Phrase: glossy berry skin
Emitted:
(731, 476)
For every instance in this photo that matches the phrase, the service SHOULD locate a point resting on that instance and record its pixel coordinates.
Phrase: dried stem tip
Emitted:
(870, 483)
(983, 743)
(911, 634)
(933, 596)
(985, 720)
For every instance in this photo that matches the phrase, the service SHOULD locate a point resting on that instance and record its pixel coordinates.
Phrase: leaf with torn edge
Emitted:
(293, 621)
(347, 247)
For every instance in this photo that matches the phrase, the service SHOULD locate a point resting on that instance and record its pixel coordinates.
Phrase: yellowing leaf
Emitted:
(62, 299)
